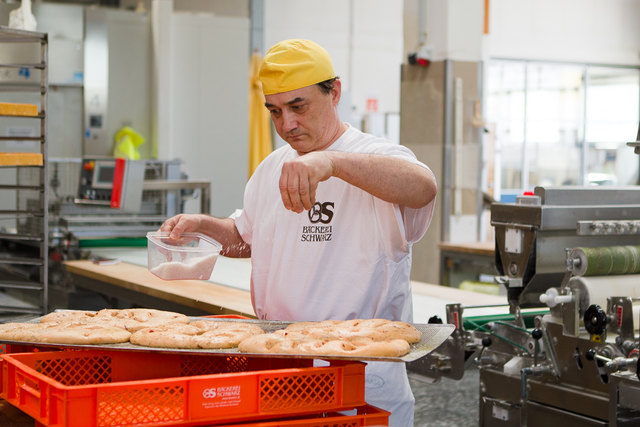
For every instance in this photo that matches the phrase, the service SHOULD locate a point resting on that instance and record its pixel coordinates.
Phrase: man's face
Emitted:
(306, 118)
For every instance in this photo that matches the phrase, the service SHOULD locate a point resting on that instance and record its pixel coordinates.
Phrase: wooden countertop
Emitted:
(232, 298)
(479, 248)
(197, 294)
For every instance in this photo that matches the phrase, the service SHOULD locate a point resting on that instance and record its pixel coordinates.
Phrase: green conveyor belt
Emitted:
(471, 323)
(108, 243)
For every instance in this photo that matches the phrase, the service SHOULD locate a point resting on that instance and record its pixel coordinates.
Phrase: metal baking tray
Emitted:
(432, 336)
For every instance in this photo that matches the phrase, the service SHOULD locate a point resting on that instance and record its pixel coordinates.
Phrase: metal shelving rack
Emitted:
(26, 294)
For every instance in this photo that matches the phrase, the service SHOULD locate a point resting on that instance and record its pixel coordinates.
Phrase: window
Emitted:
(611, 120)
(561, 124)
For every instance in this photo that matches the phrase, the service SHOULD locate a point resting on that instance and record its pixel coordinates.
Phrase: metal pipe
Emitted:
(447, 147)
(620, 362)
(534, 370)
(485, 306)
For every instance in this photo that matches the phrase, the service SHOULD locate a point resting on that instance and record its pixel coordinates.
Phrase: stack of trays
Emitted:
(109, 388)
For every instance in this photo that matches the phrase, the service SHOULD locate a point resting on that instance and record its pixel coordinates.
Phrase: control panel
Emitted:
(114, 182)
(96, 181)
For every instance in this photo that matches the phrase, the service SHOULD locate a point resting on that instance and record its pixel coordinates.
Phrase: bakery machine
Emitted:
(98, 202)
(103, 201)
(566, 351)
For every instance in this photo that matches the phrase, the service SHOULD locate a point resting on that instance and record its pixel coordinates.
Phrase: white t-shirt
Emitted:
(348, 257)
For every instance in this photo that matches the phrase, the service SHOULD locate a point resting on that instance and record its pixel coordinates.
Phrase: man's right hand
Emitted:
(182, 223)
(221, 229)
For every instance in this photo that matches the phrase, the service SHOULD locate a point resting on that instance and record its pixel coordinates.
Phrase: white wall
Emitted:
(229, 8)
(449, 29)
(202, 84)
(363, 37)
(593, 31)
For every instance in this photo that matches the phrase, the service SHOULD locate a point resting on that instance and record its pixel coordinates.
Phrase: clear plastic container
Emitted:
(193, 256)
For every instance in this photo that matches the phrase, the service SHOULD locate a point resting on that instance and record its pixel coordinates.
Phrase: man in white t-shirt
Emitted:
(329, 219)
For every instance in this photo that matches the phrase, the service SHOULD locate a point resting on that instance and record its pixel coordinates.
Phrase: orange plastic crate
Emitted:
(23, 348)
(20, 348)
(365, 416)
(111, 388)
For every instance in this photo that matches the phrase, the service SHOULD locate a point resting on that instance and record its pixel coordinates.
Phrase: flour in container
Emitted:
(196, 268)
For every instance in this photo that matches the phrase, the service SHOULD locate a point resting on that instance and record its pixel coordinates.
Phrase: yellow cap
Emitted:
(295, 63)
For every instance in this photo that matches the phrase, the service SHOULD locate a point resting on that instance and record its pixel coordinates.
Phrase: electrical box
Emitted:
(114, 182)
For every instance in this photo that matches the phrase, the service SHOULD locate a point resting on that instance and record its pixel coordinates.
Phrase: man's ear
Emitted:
(336, 91)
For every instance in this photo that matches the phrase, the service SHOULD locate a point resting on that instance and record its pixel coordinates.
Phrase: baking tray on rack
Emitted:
(432, 336)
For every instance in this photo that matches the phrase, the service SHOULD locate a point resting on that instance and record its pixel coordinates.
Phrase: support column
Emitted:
(437, 108)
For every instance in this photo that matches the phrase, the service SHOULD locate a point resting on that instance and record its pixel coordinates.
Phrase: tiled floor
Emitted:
(448, 403)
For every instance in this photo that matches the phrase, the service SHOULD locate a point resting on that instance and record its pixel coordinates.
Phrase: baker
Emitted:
(329, 219)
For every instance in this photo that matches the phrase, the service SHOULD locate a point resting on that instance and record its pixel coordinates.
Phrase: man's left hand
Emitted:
(300, 177)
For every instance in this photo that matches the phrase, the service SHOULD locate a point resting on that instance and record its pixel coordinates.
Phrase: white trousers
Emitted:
(387, 387)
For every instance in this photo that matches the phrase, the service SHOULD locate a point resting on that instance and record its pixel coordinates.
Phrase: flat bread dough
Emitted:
(134, 319)
(108, 326)
(82, 333)
(357, 337)
(67, 316)
(25, 332)
(169, 336)
(63, 333)
(224, 334)
(165, 329)
(293, 342)
(198, 334)
(377, 329)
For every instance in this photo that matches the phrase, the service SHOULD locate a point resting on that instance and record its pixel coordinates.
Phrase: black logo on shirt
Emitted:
(320, 212)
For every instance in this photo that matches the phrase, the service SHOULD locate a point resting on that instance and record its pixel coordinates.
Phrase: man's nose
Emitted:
(289, 121)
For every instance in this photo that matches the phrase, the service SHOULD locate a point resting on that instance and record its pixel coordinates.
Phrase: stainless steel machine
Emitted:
(82, 215)
(567, 351)
(83, 212)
